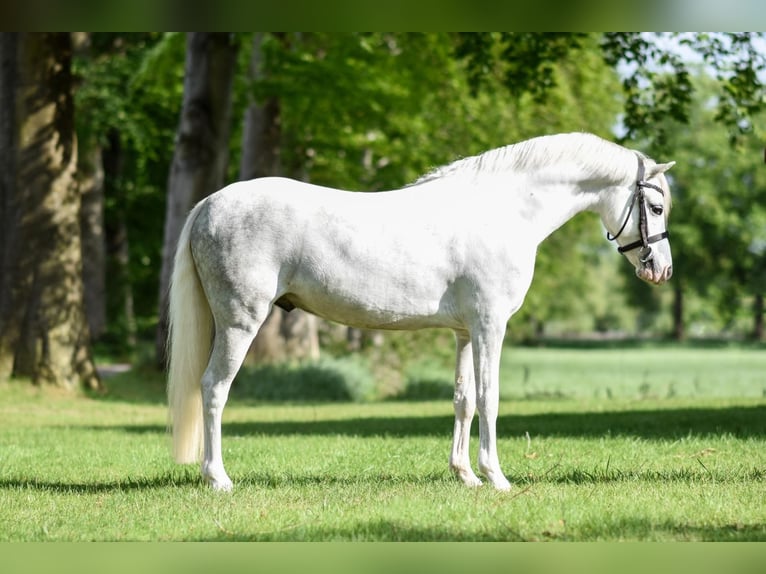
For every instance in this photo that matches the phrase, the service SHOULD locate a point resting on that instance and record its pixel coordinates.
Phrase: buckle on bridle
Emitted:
(645, 255)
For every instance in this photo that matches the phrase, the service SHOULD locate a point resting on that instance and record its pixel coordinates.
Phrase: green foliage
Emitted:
(657, 87)
(656, 81)
(427, 380)
(128, 100)
(400, 104)
(525, 62)
(739, 63)
(372, 111)
(327, 379)
(131, 83)
(719, 226)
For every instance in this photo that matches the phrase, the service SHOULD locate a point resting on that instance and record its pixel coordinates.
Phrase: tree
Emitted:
(201, 153)
(284, 335)
(401, 104)
(656, 80)
(91, 182)
(719, 229)
(659, 96)
(129, 86)
(90, 175)
(43, 331)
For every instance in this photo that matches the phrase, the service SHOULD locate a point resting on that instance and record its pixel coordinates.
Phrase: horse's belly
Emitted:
(366, 311)
(372, 276)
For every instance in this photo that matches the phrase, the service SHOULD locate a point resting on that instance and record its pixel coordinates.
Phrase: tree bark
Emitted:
(679, 328)
(9, 209)
(201, 153)
(43, 330)
(118, 238)
(758, 317)
(262, 130)
(283, 336)
(91, 181)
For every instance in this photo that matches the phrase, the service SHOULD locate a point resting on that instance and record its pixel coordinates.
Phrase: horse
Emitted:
(455, 249)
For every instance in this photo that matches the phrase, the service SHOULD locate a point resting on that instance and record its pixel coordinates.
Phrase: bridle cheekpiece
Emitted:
(646, 239)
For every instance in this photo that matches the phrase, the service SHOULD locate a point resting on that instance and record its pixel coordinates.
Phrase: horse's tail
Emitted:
(190, 336)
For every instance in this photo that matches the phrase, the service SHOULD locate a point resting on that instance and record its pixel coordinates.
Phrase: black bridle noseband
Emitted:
(645, 254)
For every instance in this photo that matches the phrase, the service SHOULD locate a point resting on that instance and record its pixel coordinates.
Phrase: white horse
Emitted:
(456, 249)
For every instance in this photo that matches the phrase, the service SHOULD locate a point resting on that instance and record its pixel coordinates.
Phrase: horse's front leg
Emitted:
(487, 342)
(465, 406)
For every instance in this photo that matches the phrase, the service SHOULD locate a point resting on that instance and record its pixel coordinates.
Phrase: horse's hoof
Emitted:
(499, 483)
(497, 479)
(220, 483)
(467, 477)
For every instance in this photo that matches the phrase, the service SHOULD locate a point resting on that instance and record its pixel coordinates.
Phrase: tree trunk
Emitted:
(118, 239)
(283, 335)
(758, 318)
(90, 178)
(679, 329)
(91, 181)
(9, 209)
(262, 131)
(43, 331)
(201, 153)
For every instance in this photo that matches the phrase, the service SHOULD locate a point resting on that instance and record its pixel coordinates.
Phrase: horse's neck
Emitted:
(547, 202)
(532, 203)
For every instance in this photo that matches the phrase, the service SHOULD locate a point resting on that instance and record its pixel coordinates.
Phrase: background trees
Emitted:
(369, 111)
(43, 331)
(201, 146)
(721, 229)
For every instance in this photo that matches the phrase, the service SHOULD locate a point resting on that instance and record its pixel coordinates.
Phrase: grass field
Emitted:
(601, 444)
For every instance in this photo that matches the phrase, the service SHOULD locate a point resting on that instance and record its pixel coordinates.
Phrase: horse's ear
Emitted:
(659, 168)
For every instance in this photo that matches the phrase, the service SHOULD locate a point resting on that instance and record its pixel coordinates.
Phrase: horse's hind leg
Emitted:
(465, 406)
(229, 350)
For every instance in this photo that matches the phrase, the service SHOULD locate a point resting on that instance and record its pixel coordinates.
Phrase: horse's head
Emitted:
(643, 222)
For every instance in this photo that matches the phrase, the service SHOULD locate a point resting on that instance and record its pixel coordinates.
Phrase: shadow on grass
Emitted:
(739, 421)
(626, 529)
(188, 476)
(176, 478)
(377, 530)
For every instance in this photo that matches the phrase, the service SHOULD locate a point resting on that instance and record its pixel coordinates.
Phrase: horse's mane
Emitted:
(597, 156)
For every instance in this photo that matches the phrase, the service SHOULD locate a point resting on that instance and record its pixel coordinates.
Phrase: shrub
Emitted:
(346, 379)
(425, 390)
(426, 380)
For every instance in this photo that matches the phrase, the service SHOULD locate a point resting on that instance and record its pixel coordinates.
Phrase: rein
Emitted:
(640, 199)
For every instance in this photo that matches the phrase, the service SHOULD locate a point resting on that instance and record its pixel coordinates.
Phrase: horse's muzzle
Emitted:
(652, 275)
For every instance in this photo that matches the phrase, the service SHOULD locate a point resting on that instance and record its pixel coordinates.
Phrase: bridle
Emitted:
(638, 196)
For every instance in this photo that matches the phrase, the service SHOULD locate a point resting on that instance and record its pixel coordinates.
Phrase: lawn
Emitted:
(642, 444)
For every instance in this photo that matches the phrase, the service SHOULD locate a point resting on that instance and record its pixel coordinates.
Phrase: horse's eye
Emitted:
(657, 209)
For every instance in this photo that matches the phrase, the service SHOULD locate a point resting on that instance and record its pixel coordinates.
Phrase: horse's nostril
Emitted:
(669, 272)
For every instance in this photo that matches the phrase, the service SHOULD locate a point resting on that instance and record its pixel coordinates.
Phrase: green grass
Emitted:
(636, 463)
